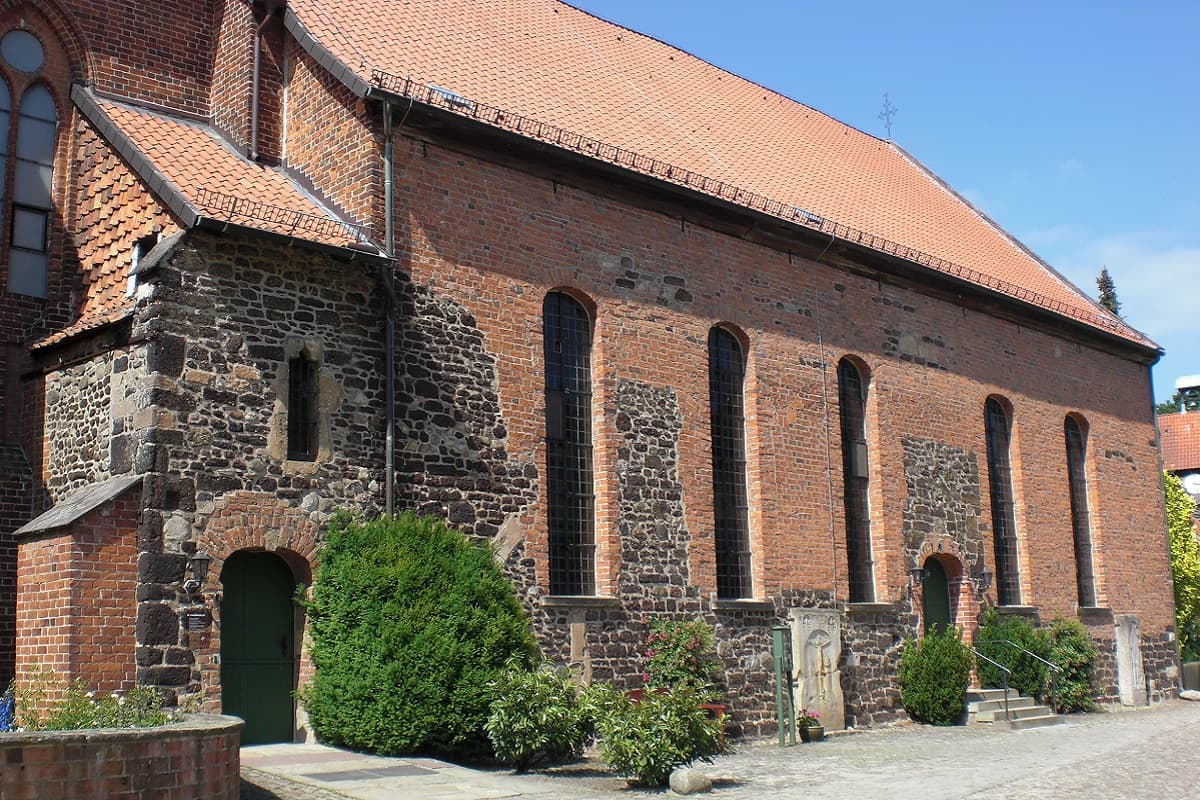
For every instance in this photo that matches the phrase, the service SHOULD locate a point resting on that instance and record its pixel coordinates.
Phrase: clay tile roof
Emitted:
(1179, 438)
(541, 67)
(218, 182)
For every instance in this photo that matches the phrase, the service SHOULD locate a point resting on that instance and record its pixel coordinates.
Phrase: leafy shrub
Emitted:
(536, 716)
(1072, 649)
(934, 673)
(1028, 674)
(679, 654)
(411, 624)
(645, 740)
(44, 702)
(1185, 565)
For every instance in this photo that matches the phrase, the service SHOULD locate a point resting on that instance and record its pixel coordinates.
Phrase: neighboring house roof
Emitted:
(79, 503)
(1179, 438)
(551, 72)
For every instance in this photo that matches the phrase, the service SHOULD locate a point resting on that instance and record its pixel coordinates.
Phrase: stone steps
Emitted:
(986, 706)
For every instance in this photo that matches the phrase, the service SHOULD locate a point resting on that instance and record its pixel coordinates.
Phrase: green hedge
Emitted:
(410, 625)
(1028, 674)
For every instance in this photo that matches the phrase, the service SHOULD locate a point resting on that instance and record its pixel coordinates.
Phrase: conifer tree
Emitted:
(1108, 292)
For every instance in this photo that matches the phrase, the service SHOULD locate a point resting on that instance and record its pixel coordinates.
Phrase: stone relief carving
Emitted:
(816, 656)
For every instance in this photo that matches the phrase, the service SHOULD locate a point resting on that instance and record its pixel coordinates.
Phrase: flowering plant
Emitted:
(679, 654)
(806, 718)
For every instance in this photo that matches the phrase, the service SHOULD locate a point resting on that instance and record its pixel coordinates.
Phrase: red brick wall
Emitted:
(329, 144)
(198, 758)
(76, 597)
(156, 52)
(496, 240)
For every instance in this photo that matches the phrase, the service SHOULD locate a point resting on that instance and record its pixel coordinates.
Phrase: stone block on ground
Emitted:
(689, 780)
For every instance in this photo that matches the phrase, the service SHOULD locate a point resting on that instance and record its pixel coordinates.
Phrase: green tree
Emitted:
(1108, 292)
(1185, 565)
(1170, 406)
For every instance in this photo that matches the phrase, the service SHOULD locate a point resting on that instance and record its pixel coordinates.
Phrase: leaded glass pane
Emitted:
(35, 140)
(21, 50)
(852, 405)
(37, 103)
(1004, 523)
(33, 184)
(1080, 515)
(27, 273)
(29, 229)
(726, 376)
(567, 347)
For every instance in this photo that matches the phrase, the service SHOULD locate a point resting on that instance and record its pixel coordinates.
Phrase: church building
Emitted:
(674, 343)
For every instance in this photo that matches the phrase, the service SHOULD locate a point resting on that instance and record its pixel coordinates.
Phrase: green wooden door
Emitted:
(935, 592)
(257, 645)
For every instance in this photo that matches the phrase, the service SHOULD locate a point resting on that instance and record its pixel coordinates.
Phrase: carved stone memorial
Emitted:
(816, 655)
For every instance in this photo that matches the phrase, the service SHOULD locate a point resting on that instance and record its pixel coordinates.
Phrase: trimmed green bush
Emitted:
(536, 716)
(411, 624)
(1073, 650)
(1028, 674)
(645, 740)
(934, 674)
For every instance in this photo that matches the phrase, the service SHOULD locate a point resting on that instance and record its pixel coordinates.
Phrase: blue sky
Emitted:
(1074, 125)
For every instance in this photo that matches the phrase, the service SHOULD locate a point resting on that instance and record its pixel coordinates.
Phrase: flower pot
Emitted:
(812, 733)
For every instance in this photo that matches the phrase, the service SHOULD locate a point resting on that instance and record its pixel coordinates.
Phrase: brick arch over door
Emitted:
(964, 603)
(254, 521)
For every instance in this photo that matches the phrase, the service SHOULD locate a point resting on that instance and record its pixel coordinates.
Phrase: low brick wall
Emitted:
(197, 757)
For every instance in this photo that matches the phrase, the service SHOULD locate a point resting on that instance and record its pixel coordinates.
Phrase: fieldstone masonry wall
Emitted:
(451, 456)
(943, 508)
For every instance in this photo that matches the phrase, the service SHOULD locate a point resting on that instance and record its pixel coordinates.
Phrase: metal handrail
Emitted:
(1055, 667)
(1006, 671)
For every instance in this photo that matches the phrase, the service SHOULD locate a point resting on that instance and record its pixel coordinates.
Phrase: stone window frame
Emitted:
(1002, 498)
(856, 483)
(1076, 434)
(731, 495)
(313, 350)
(570, 460)
(18, 86)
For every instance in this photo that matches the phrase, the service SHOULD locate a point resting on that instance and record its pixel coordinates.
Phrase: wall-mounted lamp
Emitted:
(983, 579)
(198, 564)
(917, 574)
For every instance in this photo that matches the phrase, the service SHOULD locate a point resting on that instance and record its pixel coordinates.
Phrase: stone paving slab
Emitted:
(1146, 754)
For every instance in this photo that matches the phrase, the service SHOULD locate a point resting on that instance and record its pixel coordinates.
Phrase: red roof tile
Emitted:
(1179, 438)
(222, 183)
(558, 65)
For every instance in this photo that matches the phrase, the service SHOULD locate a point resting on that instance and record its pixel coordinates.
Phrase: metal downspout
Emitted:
(389, 321)
(255, 80)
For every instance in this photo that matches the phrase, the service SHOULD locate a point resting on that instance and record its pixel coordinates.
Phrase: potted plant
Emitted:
(809, 723)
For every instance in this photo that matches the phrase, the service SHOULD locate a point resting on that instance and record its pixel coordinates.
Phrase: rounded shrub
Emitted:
(644, 740)
(1072, 649)
(536, 716)
(934, 674)
(1028, 674)
(410, 625)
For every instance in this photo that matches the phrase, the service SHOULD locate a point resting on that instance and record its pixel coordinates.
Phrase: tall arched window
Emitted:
(567, 342)
(26, 162)
(1004, 523)
(1081, 524)
(726, 375)
(852, 405)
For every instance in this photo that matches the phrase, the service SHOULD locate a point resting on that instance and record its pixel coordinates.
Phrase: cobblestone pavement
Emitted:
(1136, 754)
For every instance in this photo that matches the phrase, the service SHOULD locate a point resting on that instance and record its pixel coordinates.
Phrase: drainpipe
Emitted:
(271, 7)
(389, 319)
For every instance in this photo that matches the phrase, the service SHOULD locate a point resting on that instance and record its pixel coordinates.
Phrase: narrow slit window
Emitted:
(726, 379)
(852, 406)
(1080, 514)
(302, 422)
(1004, 523)
(567, 344)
